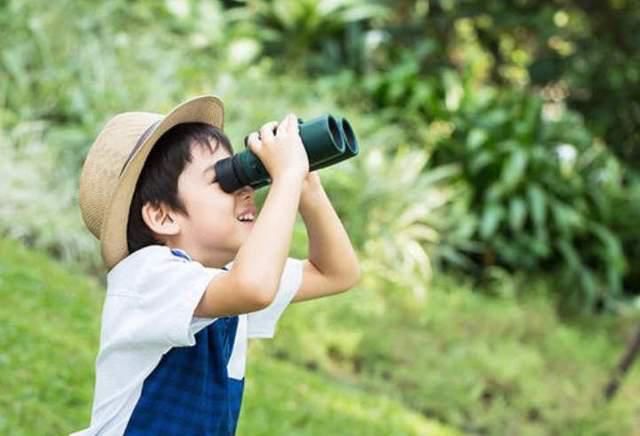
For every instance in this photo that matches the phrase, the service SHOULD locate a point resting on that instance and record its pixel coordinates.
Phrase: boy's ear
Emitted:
(160, 219)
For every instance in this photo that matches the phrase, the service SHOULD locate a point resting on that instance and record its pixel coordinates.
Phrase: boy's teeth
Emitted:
(246, 217)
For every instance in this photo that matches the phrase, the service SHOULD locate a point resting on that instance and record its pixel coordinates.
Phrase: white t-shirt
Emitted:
(148, 310)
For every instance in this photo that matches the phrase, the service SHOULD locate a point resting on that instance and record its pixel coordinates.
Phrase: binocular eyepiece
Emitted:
(327, 140)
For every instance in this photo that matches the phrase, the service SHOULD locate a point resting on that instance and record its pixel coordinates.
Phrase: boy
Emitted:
(193, 272)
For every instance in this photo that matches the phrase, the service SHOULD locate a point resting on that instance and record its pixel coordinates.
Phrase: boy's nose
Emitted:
(245, 191)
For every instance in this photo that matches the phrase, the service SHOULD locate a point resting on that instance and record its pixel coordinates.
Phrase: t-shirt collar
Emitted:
(184, 255)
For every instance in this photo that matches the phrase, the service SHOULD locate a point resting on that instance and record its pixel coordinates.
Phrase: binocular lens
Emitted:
(335, 132)
(350, 137)
(351, 148)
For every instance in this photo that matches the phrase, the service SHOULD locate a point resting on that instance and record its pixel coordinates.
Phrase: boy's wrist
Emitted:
(312, 183)
(312, 195)
(289, 176)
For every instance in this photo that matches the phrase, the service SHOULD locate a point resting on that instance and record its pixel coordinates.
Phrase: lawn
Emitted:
(368, 362)
(49, 338)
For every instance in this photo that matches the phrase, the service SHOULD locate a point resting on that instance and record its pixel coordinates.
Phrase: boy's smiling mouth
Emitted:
(247, 215)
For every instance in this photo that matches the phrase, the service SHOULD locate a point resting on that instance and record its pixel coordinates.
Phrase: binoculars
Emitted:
(327, 140)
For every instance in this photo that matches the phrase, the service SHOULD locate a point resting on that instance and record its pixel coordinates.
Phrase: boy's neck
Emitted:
(210, 260)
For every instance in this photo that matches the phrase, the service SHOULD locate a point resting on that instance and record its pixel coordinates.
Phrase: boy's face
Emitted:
(212, 233)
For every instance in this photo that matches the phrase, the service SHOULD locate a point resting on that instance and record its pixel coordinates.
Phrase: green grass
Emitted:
(486, 365)
(368, 362)
(48, 343)
(285, 399)
(48, 340)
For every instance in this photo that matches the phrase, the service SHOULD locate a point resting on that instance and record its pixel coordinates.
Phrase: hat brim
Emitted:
(113, 234)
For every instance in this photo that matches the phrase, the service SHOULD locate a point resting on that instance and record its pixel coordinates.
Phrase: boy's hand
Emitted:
(283, 152)
(312, 192)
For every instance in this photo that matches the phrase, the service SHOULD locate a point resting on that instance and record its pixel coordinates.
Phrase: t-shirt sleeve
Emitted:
(262, 324)
(169, 289)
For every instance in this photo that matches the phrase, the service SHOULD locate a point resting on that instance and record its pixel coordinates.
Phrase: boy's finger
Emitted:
(252, 141)
(292, 122)
(282, 127)
(266, 132)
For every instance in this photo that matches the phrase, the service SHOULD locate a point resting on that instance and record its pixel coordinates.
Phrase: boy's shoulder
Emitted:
(150, 260)
(157, 265)
(150, 253)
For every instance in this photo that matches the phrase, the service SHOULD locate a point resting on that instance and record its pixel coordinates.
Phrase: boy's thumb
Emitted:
(292, 123)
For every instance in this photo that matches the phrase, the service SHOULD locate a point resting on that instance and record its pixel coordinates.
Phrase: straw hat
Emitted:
(114, 163)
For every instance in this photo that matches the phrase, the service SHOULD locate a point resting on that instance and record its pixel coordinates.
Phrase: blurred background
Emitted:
(494, 204)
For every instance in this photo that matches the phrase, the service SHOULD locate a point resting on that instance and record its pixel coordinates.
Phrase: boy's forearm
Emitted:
(262, 257)
(330, 249)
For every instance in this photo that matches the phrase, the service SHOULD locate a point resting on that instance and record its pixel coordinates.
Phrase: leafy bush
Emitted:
(395, 212)
(545, 200)
(74, 106)
(561, 46)
(66, 79)
(39, 206)
(626, 202)
(542, 189)
(522, 204)
(310, 35)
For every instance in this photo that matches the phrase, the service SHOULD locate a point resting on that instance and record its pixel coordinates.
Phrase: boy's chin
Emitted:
(246, 227)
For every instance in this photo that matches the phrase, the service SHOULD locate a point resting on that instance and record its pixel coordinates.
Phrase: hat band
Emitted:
(140, 141)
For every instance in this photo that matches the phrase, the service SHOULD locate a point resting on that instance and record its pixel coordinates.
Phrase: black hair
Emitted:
(158, 181)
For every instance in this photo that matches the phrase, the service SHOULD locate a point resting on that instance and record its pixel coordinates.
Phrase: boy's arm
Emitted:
(332, 265)
(253, 281)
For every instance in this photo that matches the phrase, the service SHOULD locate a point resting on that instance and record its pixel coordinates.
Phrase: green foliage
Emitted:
(119, 57)
(461, 164)
(454, 77)
(542, 190)
(69, 75)
(584, 53)
(51, 155)
(465, 72)
(40, 207)
(626, 201)
(322, 36)
(396, 234)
